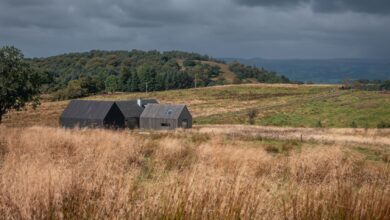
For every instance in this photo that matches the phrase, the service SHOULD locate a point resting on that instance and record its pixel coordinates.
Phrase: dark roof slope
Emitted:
(85, 109)
(162, 111)
(130, 108)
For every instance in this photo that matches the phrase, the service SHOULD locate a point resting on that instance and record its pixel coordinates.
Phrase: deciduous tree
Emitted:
(19, 83)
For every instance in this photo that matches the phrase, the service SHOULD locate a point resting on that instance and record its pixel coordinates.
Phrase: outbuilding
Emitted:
(132, 110)
(92, 114)
(165, 117)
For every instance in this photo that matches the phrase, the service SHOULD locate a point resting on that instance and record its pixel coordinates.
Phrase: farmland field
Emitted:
(313, 152)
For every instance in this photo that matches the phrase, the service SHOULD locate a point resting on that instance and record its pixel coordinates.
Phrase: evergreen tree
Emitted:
(135, 82)
(112, 84)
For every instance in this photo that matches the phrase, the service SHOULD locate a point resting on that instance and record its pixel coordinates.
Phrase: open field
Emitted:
(276, 104)
(210, 172)
(283, 167)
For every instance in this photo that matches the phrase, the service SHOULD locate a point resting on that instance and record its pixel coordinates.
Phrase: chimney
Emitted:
(139, 102)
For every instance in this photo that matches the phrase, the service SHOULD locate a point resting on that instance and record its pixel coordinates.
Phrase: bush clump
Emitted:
(383, 124)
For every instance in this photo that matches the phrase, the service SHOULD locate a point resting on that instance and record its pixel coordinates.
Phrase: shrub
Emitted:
(290, 145)
(272, 149)
(383, 124)
(386, 158)
(3, 150)
(189, 63)
(252, 113)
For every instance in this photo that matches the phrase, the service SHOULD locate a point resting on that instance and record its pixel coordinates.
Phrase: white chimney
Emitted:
(139, 102)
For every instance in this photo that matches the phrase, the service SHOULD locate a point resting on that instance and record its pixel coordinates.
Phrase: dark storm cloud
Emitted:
(277, 3)
(238, 28)
(365, 6)
(25, 3)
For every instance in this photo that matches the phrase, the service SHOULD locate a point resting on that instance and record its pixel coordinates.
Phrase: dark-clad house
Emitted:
(165, 117)
(92, 114)
(132, 110)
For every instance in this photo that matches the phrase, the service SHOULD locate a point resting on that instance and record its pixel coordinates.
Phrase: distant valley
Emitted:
(323, 71)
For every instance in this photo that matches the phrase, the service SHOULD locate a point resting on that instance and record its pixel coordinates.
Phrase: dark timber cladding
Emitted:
(93, 114)
(132, 110)
(164, 116)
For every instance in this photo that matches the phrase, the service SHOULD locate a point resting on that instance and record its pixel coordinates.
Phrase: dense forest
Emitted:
(79, 74)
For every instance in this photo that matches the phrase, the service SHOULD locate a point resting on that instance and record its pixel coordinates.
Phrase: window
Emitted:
(165, 125)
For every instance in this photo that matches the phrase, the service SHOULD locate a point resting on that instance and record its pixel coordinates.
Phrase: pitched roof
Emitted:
(162, 111)
(85, 109)
(130, 108)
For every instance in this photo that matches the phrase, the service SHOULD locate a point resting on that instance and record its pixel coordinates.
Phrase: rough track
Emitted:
(333, 135)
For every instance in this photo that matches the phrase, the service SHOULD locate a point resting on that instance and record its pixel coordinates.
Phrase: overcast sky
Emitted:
(220, 28)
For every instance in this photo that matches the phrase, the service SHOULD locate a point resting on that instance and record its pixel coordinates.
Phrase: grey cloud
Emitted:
(327, 6)
(25, 3)
(365, 6)
(219, 28)
(275, 3)
(58, 14)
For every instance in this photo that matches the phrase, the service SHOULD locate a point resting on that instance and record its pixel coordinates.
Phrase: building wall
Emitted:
(132, 122)
(166, 123)
(157, 123)
(114, 118)
(82, 123)
(185, 115)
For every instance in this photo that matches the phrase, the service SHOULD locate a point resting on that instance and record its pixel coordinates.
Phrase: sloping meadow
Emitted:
(52, 173)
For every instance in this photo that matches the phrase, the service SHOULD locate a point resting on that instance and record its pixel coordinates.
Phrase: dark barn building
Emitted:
(132, 110)
(92, 114)
(165, 117)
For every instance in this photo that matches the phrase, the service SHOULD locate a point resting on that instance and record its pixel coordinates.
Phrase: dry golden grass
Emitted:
(333, 135)
(53, 173)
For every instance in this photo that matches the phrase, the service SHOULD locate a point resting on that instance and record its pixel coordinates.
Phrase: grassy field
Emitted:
(211, 172)
(276, 105)
(320, 156)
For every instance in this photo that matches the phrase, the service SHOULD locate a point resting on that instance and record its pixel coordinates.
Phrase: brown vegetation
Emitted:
(52, 173)
(226, 72)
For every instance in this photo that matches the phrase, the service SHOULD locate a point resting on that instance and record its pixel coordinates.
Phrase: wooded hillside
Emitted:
(79, 74)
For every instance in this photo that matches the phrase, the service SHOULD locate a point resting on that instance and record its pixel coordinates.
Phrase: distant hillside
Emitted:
(324, 71)
(79, 74)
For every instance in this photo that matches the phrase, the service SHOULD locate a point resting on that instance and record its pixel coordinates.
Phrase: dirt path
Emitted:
(337, 135)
